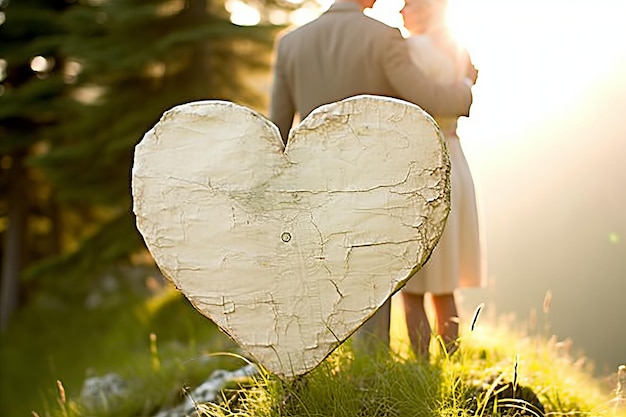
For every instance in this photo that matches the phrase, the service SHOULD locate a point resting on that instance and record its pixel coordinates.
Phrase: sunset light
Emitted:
(545, 144)
(243, 14)
(208, 207)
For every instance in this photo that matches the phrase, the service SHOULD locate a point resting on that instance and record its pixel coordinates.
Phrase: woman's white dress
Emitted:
(457, 260)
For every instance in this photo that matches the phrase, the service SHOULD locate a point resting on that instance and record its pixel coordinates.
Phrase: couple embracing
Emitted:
(344, 53)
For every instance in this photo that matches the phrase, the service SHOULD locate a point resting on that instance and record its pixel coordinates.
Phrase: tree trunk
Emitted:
(13, 240)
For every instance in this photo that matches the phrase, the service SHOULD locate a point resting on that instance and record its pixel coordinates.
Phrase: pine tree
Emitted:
(121, 64)
(33, 95)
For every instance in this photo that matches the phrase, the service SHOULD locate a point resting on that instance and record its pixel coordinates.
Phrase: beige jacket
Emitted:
(344, 53)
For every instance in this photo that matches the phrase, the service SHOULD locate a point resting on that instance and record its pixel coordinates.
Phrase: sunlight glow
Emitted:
(89, 94)
(303, 15)
(545, 144)
(41, 64)
(614, 238)
(536, 58)
(156, 69)
(170, 8)
(71, 71)
(3, 69)
(278, 17)
(242, 13)
(387, 11)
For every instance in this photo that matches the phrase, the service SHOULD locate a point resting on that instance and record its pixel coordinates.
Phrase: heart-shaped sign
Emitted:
(290, 250)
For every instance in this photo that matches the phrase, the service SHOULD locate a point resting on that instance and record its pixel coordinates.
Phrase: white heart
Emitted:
(289, 250)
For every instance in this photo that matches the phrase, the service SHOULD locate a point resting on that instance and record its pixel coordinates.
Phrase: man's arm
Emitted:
(282, 109)
(414, 86)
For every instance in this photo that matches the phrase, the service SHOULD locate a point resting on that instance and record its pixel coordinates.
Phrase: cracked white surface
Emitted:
(290, 250)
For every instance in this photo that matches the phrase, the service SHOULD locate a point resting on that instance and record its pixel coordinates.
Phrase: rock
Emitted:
(209, 390)
(100, 393)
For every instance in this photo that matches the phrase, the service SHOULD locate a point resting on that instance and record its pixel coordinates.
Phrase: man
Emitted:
(344, 53)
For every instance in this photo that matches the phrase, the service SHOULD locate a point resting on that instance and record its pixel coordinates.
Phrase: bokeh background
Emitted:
(547, 147)
(81, 81)
(546, 143)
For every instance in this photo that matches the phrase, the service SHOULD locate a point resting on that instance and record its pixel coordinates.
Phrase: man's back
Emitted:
(344, 53)
(332, 58)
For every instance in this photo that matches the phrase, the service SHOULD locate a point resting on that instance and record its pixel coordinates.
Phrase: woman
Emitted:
(456, 262)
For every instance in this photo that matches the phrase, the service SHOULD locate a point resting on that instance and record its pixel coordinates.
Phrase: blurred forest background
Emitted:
(81, 81)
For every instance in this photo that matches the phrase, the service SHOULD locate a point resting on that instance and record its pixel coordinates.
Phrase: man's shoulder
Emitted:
(376, 24)
(289, 35)
(351, 21)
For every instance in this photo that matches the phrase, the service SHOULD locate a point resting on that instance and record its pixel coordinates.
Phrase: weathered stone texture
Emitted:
(290, 250)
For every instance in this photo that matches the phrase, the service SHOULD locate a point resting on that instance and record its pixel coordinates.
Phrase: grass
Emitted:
(473, 382)
(163, 348)
(49, 342)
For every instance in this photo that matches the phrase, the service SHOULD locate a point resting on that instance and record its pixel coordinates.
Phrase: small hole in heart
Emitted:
(285, 237)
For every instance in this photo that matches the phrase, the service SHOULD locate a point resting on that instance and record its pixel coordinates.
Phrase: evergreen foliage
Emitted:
(34, 98)
(68, 130)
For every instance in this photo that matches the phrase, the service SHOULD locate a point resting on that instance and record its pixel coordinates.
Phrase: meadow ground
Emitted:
(162, 348)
